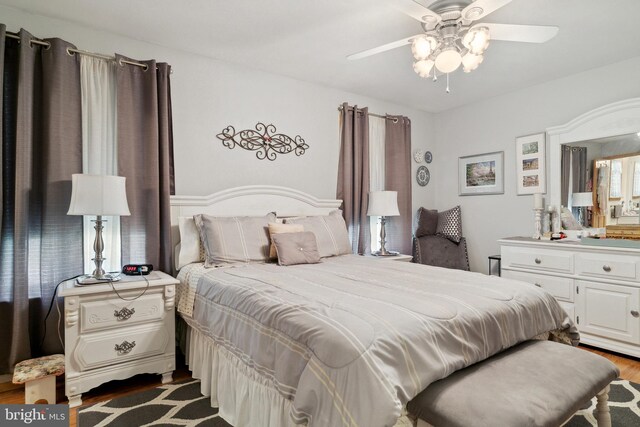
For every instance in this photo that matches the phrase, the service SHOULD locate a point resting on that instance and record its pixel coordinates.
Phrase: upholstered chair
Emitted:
(438, 239)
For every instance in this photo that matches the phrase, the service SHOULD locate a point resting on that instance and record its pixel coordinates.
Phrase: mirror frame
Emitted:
(619, 118)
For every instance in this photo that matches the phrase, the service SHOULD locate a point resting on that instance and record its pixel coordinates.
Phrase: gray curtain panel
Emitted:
(398, 178)
(40, 244)
(573, 165)
(353, 175)
(145, 158)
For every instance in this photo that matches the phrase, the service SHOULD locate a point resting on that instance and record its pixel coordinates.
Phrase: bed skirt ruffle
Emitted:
(244, 397)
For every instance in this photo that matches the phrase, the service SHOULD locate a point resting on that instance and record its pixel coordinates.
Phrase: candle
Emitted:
(537, 201)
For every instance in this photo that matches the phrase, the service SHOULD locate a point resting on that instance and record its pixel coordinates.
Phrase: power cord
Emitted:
(53, 298)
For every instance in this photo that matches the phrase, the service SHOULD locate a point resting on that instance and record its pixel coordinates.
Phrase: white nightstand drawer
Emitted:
(560, 287)
(623, 267)
(120, 345)
(114, 312)
(542, 259)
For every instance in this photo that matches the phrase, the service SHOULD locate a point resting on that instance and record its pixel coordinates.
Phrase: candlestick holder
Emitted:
(538, 223)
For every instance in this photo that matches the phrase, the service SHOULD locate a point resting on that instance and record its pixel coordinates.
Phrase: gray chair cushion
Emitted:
(537, 383)
(441, 252)
(427, 222)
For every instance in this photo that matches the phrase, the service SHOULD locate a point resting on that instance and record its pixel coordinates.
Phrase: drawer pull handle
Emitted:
(635, 313)
(125, 347)
(538, 285)
(606, 268)
(123, 314)
(538, 261)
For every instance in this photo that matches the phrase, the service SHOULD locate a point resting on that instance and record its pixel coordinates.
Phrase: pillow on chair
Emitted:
(427, 222)
(450, 224)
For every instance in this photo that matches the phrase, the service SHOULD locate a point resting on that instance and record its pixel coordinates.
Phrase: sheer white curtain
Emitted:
(99, 149)
(377, 127)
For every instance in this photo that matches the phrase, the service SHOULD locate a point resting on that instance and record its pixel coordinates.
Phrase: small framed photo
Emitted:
(530, 164)
(481, 174)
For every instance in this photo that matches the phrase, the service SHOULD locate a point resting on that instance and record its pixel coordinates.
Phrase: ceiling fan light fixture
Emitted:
(423, 67)
(448, 60)
(422, 47)
(477, 40)
(470, 62)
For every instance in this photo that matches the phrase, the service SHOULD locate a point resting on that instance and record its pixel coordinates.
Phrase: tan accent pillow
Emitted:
(278, 228)
(330, 230)
(231, 240)
(296, 248)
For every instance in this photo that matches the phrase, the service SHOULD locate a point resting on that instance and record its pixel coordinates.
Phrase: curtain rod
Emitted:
(395, 120)
(82, 52)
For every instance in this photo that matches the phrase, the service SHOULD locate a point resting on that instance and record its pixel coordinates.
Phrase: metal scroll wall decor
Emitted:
(264, 141)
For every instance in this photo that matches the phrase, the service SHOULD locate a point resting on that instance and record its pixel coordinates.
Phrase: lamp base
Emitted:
(90, 279)
(385, 253)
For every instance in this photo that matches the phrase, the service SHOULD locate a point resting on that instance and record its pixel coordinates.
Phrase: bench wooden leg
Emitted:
(602, 414)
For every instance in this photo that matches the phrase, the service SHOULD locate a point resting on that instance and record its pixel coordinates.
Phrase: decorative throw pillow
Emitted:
(191, 249)
(569, 222)
(278, 228)
(450, 224)
(229, 240)
(427, 222)
(296, 248)
(330, 230)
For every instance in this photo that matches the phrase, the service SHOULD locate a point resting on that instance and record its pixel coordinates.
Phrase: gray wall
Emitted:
(493, 125)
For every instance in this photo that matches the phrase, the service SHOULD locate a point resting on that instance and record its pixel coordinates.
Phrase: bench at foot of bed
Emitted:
(536, 383)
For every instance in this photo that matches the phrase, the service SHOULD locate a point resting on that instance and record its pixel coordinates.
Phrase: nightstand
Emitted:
(109, 338)
(399, 257)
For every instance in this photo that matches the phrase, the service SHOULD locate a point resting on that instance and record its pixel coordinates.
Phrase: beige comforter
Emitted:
(351, 340)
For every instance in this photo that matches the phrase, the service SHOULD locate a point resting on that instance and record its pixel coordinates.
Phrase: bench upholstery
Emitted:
(536, 383)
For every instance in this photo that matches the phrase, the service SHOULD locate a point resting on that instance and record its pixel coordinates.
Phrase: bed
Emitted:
(345, 342)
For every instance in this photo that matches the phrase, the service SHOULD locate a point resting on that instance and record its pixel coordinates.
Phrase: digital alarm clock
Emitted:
(137, 269)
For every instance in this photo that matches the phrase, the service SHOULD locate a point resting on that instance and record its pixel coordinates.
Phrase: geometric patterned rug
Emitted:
(181, 404)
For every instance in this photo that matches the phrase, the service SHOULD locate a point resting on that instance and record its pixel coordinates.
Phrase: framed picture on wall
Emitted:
(481, 174)
(530, 164)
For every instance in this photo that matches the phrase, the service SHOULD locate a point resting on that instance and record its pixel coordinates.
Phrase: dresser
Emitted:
(598, 286)
(115, 331)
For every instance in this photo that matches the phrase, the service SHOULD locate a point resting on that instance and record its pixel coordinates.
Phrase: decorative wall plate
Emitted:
(418, 156)
(423, 176)
(428, 157)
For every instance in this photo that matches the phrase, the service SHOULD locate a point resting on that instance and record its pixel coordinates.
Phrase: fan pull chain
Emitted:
(448, 91)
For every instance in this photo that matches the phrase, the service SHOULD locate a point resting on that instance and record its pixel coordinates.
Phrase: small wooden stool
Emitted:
(39, 378)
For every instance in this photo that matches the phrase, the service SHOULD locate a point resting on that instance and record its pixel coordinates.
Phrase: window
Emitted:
(636, 179)
(615, 188)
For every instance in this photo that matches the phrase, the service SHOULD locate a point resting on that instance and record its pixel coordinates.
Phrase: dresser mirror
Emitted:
(600, 180)
(605, 137)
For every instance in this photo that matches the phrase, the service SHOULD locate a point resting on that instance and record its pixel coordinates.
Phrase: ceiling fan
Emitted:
(452, 37)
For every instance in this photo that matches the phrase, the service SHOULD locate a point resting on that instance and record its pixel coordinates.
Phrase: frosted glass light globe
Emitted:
(477, 40)
(448, 60)
(423, 67)
(422, 46)
(470, 62)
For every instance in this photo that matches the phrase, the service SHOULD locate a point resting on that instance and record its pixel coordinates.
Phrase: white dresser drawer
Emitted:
(116, 346)
(621, 267)
(560, 287)
(114, 312)
(538, 258)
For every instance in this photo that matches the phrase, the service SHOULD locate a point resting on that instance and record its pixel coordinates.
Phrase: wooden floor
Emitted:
(10, 393)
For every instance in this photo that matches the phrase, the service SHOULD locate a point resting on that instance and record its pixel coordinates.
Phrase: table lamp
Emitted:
(98, 195)
(383, 204)
(581, 201)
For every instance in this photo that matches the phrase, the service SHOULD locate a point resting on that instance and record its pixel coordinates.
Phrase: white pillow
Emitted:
(189, 242)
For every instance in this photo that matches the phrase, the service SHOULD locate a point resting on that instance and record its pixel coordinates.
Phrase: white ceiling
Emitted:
(309, 40)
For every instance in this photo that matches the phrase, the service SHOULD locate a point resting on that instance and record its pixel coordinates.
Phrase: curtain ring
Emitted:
(120, 62)
(69, 52)
(48, 46)
(146, 67)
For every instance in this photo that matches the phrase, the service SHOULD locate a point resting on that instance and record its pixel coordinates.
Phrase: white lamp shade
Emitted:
(448, 60)
(98, 195)
(579, 200)
(383, 203)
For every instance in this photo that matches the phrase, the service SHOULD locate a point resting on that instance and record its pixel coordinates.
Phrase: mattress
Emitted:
(351, 340)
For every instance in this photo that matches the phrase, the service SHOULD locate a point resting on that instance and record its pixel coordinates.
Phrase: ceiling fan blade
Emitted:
(418, 11)
(380, 49)
(520, 33)
(481, 8)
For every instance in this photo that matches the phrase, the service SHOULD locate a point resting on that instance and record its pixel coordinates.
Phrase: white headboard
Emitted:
(250, 200)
